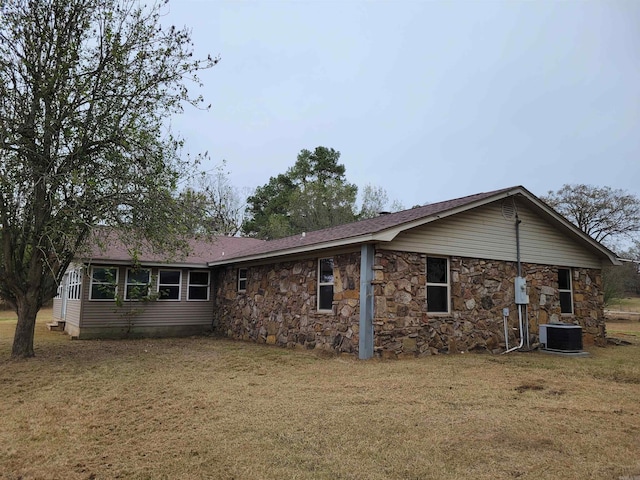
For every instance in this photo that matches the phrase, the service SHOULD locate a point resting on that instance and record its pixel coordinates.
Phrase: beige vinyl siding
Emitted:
(72, 315)
(57, 308)
(146, 314)
(485, 233)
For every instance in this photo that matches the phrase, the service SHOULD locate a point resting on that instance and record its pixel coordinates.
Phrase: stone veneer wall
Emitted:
(279, 305)
(480, 289)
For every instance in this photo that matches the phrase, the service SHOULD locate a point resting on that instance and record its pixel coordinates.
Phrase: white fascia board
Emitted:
(125, 263)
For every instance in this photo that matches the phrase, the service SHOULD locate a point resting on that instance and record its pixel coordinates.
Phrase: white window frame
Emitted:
(74, 286)
(242, 279)
(565, 290)
(325, 284)
(93, 282)
(128, 283)
(198, 285)
(446, 285)
(160, 285)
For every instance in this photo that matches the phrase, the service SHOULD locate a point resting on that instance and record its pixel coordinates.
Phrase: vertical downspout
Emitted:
(365, 345)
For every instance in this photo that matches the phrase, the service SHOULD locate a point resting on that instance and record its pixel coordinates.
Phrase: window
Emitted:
(325, 284)
(104, 283)
(437, 285)
(242, 279)
(564, 290)
(137, 285)
(198, 286)
(169, 284)
(75, 283)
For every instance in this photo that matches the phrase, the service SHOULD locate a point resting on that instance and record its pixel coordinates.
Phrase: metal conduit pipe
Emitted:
(520, 322)
(521, 333)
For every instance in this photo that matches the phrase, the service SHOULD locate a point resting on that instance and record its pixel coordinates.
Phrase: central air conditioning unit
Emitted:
(561, 337)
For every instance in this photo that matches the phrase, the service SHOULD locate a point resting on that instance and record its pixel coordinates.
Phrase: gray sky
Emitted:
(429, 99)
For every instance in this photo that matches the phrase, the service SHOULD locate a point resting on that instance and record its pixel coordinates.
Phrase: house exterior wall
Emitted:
(279, 305)
(57, 309)
(72, 317)
(105, 318)
(484, 232)
(480, 289)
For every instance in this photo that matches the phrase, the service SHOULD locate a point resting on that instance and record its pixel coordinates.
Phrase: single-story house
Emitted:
(438, 278)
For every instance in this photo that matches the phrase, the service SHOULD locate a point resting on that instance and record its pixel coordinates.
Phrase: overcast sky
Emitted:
(431, 100)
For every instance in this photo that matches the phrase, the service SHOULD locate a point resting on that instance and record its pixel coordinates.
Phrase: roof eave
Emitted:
(345, 242)
(147, 264)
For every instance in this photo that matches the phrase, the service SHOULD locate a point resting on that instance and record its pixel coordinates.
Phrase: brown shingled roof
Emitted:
(361, 228)
(111, 248)
(222, 250)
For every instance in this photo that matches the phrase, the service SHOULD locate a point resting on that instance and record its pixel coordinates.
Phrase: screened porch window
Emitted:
(438, 285)
(138, 281)
(169, 284)
(104, 283)
(198, 286)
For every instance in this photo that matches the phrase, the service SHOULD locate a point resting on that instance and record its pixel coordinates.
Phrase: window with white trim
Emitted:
(242, 279)
(198, 288)
(438, 296)
(75, 284)
(564, 290)
(325, 284)
(169, 282)
(104, 283)
(137, 285)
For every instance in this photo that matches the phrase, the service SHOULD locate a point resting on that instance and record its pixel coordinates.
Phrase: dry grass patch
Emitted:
(210, 408)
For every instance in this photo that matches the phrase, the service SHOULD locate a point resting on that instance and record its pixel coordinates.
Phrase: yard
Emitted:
(210, 408)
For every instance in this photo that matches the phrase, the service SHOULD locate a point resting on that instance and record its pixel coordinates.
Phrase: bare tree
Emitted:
(375, 200)
(85, 90)
(606, 214)
(217, 205)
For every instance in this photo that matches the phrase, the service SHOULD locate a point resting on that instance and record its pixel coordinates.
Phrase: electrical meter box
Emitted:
(521, 291)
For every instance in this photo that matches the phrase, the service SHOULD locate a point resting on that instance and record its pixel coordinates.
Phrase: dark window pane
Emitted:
(199, 278)
(137, 276)
(565, 302)
(103, 292)
(198, 293)
(564, 279)
(437, 299)
(242, 279)
(436, 270)
(169, 277)
(104, 275)
(169, 292)
(326, 297)
(137, 291)
(326, 270)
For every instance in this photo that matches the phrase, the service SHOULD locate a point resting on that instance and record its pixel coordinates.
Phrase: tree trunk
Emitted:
(27, 309)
